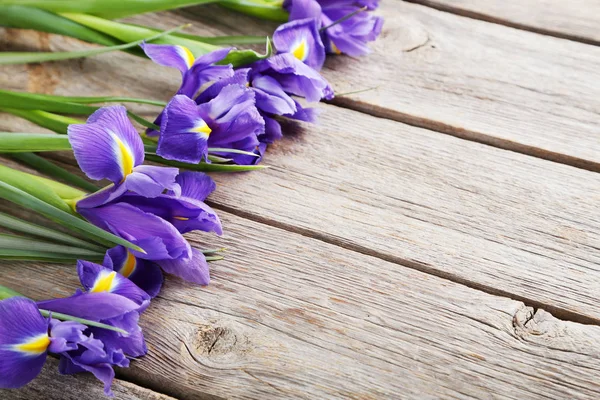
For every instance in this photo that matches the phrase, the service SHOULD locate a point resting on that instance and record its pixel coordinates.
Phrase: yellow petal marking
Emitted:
(125, 156)
(187, 56)
(181, 218)
(202, 127)
(128, 265)
(335, 48)
(37, 345)
(104, 282)
(301, 50)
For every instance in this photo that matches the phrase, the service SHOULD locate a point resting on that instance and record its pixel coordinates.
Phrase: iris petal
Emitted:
(23, 342)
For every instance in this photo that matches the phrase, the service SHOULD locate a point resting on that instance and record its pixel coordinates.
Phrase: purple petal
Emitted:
(195, 185)
(92, 306)
(183, 213)
(270, 96)
(151, 180)
(240, 77)
(65, 335)
(107, 146)
(183, 132)
(156, 236)
(173, 56)
(300, 9)
(90, 361)
(301, 38)
(195, 269)
(132, 344)
(23, 342)
(96, 278)
(295, 77)
(145, 274)
(203, 71)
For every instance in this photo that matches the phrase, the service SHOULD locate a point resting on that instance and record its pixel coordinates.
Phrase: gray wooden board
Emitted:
(506, 87)
(51, 385)
(288, 316)
(575, 19)
(497, 220)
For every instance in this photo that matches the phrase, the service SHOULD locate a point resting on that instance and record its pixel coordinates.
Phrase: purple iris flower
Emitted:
(125, 303)
(26, 337)
(301, 38)
(194, 72)
(144, 273)
(229, 120)
(349, 36)
(107, 146)
(157, 225)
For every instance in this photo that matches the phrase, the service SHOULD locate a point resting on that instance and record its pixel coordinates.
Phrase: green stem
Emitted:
(6, 293)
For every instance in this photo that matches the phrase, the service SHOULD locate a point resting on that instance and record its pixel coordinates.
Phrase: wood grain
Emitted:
(509, 88)
(575, 20)
(495, 220)
(288, 316)
(52, 385)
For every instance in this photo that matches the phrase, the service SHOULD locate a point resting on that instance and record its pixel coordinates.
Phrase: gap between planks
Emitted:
(466, 134)
(558, 312)
(481, 16)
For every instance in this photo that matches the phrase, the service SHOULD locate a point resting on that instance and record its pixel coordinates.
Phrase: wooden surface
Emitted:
(376, 259)
(575, 19)
(484, 82)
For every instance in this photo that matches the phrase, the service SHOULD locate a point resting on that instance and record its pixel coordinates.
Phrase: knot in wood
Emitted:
(211, 341)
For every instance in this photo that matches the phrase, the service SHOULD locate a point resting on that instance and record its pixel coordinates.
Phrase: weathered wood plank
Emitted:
(52, 385)
(288, 316)
(509, 88)
(445, 72)
(496, 220)
(576, 20)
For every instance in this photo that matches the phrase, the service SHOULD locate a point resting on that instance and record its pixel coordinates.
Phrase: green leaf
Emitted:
(204, 166)
(211, 251)
(54, 122)
(14, 14)
(233, 151)
(151, 149)
(48, 168)
(65, 317)
(24, 199)
(130, 33)
(28, 142)
(6, 293)
(239, 58)
(28, 184)
(34, 57)
(49, 190)
(213, 258)
(224, 40)
(111, 9)
(103, 99)
(145, 123)
(31, 101)
(13, 242)
(271, 10)
(18, 225)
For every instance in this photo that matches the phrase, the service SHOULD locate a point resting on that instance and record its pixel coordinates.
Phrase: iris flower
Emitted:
(107, 146)
(157, 226)
(26, 337)
(301, 38)
(353, 29)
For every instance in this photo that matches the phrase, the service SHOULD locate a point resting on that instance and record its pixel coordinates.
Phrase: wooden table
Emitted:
(437, 236)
